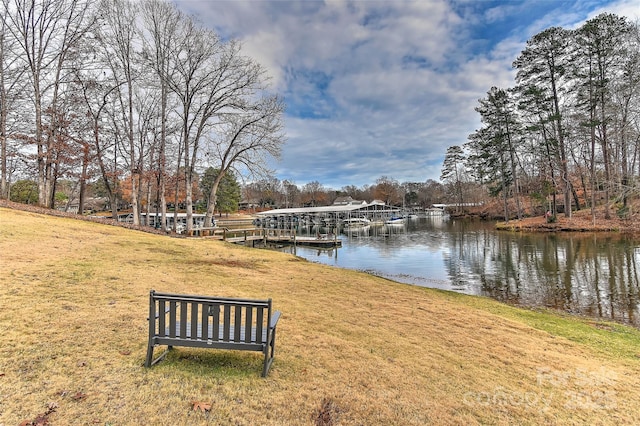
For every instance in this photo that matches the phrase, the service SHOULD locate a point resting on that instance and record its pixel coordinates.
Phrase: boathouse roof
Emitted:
(335, 208)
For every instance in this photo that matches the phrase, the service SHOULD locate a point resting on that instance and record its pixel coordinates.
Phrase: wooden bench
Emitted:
(211, 322)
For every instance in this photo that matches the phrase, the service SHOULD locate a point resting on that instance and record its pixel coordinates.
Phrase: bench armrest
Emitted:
(274, 319)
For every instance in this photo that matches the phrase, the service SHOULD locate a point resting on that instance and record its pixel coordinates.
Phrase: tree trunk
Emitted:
(212, 198)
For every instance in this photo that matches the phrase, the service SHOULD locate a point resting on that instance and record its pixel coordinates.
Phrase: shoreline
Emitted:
(581, 221)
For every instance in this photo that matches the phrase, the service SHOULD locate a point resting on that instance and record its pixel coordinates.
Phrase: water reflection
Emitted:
(590, 275)
(587, 274)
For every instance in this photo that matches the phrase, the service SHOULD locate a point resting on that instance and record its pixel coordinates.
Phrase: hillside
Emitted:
(352, 349)
(580, 220)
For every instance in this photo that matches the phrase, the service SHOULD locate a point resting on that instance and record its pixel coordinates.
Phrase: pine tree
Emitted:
(541, 70)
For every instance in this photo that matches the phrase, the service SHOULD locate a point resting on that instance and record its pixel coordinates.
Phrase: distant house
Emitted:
(91, 205)
(249, 204)
(348, 201)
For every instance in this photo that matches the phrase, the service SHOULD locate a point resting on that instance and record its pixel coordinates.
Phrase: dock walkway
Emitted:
(278, 236)
(285, 236)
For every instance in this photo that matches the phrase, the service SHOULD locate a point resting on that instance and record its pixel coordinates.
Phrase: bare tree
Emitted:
(118, 37)
(388, 190)
(193, 83)
(246, 139)
(10, 84)
(314, 194)
(626, 92)
(210, 78)
(46, 32)
(161, 30)
(291, 194)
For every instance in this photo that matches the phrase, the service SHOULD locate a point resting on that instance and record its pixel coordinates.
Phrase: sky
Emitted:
(381, 88)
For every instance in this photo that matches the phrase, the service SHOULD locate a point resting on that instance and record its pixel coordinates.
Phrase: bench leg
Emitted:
(267, 363)
(149, 361)
(269, 352)
(273, 344)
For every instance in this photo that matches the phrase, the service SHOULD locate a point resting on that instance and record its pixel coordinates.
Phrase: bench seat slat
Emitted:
(226, 333)
(259, 322)
(216, 320)
(172, 319)
(183, 319)
(161, 320)
(204, 312)
(248, 324)
(194, 318)
(237, 321)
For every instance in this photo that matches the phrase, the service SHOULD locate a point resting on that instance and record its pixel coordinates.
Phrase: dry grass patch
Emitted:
(351, 348)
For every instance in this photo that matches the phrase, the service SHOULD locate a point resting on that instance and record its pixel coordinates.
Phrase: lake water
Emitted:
(588, 273)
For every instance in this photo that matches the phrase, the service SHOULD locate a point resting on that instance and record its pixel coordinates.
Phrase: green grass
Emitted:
(609, 338)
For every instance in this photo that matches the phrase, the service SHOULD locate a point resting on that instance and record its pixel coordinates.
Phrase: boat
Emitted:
(361, 231)
(356, 222)
(395, 220)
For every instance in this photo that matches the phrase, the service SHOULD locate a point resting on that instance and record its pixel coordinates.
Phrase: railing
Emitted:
(238, 235)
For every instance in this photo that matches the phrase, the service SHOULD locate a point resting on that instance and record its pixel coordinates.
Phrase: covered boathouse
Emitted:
(343, 208)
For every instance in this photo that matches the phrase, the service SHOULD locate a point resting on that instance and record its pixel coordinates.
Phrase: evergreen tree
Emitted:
(600, 50)
(541, 70)
(452, 173)
(495, 145)
(228, 193)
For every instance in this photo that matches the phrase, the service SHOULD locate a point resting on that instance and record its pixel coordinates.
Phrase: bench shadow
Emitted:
(225, 363)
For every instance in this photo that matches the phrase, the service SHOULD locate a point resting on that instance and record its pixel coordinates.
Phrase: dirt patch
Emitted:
(328, 414)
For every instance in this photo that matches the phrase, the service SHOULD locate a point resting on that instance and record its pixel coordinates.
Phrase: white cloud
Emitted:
(380, 87)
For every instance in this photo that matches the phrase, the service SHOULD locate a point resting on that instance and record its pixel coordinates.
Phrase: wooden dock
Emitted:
(230, 235)
(286, 236)
(266, 235)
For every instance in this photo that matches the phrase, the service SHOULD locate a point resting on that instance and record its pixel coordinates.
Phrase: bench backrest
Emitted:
(209, 319)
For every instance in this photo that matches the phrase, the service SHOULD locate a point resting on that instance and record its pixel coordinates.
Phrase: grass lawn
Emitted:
(352, 349)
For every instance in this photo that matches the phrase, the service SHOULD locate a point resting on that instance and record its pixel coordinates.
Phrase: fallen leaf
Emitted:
(41, 420)
(201, 406)
(125, 352)
(79, 396)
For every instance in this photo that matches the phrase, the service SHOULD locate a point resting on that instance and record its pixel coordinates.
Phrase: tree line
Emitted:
(262, 194)
(567, 133)
(131, 94)
(273, 192)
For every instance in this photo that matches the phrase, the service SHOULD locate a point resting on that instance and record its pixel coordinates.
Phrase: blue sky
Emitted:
(382, 88)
